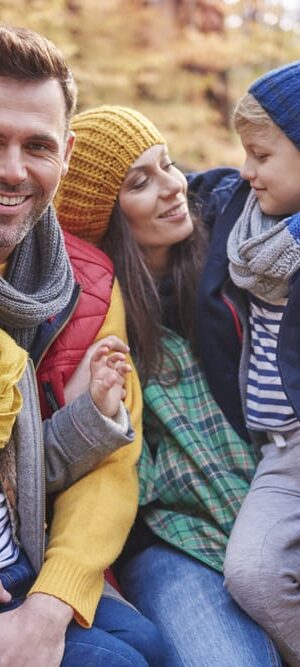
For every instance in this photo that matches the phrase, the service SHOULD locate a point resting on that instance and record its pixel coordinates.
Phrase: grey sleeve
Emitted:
(77, 437)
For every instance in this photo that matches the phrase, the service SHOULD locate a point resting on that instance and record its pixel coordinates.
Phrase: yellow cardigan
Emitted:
(93, 517)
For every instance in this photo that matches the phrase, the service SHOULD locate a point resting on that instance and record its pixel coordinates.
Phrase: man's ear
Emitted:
(68, 150)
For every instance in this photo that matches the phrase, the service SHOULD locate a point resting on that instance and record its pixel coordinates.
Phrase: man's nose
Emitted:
(12, 165)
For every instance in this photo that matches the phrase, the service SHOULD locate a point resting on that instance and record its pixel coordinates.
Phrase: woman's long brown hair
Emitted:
(140, 292)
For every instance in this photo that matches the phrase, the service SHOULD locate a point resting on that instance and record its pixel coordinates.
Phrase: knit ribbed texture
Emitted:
(73, 583)
(38, 281)
(263, 252)
(278, 92)
(108, 141)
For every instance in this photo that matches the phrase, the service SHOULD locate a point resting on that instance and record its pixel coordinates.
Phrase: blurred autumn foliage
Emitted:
(174, 60)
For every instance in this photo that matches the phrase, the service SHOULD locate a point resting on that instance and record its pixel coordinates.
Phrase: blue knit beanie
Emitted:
(278, 92)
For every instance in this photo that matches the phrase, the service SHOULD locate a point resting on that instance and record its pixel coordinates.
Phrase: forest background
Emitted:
(184, 63)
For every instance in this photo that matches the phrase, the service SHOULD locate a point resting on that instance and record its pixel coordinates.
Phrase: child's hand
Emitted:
(107, 379)
(80, 380)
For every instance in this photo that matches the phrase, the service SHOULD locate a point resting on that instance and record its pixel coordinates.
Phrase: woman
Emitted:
(124, 192)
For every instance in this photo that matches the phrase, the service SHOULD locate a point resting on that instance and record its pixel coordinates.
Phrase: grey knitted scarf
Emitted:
(38, 283)
(264, 251)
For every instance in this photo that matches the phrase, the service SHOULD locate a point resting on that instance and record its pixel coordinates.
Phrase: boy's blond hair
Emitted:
(248, 112)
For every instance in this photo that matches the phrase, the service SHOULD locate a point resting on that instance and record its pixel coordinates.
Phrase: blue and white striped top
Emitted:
(9, 551)
(268, 407)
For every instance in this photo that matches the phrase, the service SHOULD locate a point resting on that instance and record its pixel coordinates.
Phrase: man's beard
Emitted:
(11, 235)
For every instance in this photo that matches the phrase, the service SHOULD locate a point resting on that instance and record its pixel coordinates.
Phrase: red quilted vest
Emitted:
(93, 271)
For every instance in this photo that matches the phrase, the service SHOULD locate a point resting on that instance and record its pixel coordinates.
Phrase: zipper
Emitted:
(50, 397)
(61, 328)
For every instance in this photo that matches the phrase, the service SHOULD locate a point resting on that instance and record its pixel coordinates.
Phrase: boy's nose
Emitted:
(247, 170)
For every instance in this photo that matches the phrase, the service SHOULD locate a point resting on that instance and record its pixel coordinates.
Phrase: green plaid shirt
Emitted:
(194, 469)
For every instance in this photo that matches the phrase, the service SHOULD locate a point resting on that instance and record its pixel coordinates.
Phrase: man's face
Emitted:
(34, 154)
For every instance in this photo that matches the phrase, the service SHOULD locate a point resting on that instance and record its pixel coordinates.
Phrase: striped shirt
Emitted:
(268, 407)
(9, 551)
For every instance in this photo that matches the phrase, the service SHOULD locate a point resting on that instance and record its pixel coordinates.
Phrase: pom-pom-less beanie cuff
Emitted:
(278, 92)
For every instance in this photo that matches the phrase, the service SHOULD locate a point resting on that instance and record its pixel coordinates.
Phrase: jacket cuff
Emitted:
(120, 419)
(86, 417)
(70, 583)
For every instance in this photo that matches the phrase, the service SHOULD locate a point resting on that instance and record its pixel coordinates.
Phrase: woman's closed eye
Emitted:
(140, 183)
(143, 176)
(168, 165)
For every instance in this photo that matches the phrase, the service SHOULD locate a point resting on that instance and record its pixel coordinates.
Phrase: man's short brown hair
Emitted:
(28, 56)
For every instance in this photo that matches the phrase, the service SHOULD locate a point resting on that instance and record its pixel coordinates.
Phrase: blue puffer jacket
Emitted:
(222, 195)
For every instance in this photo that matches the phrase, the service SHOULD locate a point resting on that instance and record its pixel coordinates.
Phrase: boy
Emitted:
(257, 230)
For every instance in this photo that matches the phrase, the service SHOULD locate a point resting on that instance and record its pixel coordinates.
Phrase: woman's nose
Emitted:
(171, 184)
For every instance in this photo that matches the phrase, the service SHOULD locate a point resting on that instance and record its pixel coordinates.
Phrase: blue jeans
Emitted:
(120, 635)
(200, 622)
(17, 579)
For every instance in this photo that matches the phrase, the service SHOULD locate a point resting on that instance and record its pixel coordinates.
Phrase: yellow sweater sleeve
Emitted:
(93, 517)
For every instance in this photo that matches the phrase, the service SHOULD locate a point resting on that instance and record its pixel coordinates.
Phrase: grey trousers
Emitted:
(262, 565)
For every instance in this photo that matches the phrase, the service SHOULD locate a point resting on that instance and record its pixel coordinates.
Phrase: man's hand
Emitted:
(33, 635)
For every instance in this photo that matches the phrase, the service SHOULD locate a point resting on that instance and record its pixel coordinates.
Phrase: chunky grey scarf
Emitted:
(264, 251)
(38, 283)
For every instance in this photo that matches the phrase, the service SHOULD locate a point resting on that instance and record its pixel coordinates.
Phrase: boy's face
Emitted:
(272, 166)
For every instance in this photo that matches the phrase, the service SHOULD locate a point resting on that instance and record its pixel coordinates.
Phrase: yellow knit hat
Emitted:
(108, 141)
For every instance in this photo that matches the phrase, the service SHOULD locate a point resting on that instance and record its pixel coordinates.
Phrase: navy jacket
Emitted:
(222, 195)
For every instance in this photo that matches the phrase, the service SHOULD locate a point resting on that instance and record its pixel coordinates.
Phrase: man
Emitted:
(45, 311)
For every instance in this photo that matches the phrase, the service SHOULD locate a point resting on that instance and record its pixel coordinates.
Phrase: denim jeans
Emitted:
(200, 622)
(120, 635)
(17, 579)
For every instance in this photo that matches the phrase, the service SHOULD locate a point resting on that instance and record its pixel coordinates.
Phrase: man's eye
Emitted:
(34, 146)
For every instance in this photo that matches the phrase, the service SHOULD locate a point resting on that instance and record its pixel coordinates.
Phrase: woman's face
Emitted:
(153, 198)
